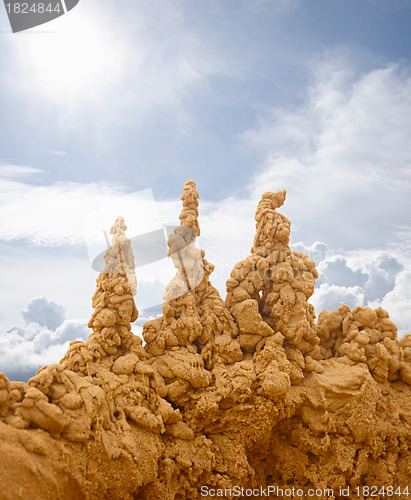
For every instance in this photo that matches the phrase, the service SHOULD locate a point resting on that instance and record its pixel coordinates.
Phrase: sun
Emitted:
(77, 55)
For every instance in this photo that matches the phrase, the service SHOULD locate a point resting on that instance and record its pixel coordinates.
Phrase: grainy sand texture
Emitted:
(249, 392)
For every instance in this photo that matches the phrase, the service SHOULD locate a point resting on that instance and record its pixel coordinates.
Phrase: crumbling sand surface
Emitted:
(249, 392)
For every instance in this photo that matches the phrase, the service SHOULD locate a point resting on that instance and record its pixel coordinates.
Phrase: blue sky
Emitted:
(114, 100)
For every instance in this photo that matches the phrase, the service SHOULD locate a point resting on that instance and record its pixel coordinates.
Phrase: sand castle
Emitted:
(248, 392)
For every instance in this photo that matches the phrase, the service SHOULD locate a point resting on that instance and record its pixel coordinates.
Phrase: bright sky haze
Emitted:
(110, 108)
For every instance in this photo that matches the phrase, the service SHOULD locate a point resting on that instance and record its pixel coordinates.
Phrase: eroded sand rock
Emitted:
(268, 292)
(247, 392)
(366, 336)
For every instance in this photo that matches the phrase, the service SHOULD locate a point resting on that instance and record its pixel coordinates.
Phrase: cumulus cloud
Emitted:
(46, 336)
(62, 273)
(381, 268)
(43, 340)
(380, 281)
(344, 157)
(45, 313)
(374, 271)
(24, 350)
(366, 278)
(335, 270)
(317, 251)
(331, 296)
(398, 302)
(371, 278)
(389, 264)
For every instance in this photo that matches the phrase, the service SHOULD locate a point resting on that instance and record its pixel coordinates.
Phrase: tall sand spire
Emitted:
(247, 393)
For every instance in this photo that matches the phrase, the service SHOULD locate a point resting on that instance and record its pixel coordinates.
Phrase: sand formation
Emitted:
(247, 392)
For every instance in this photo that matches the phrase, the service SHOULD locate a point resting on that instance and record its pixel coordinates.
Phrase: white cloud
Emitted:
(329, 297)
(68, 213)
(362, 278)
(380, 282)
(45, 313)
(61, 273)
(335, 270)
(365, 278)
(344, 157)
(24, 350)
(345, 160)
(227, 231)
(398, 302)
(382, 269)
(316, 251)
(48, 214)
(227, 234)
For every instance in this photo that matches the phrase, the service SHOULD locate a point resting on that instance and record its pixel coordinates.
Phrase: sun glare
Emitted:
(77, 56)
